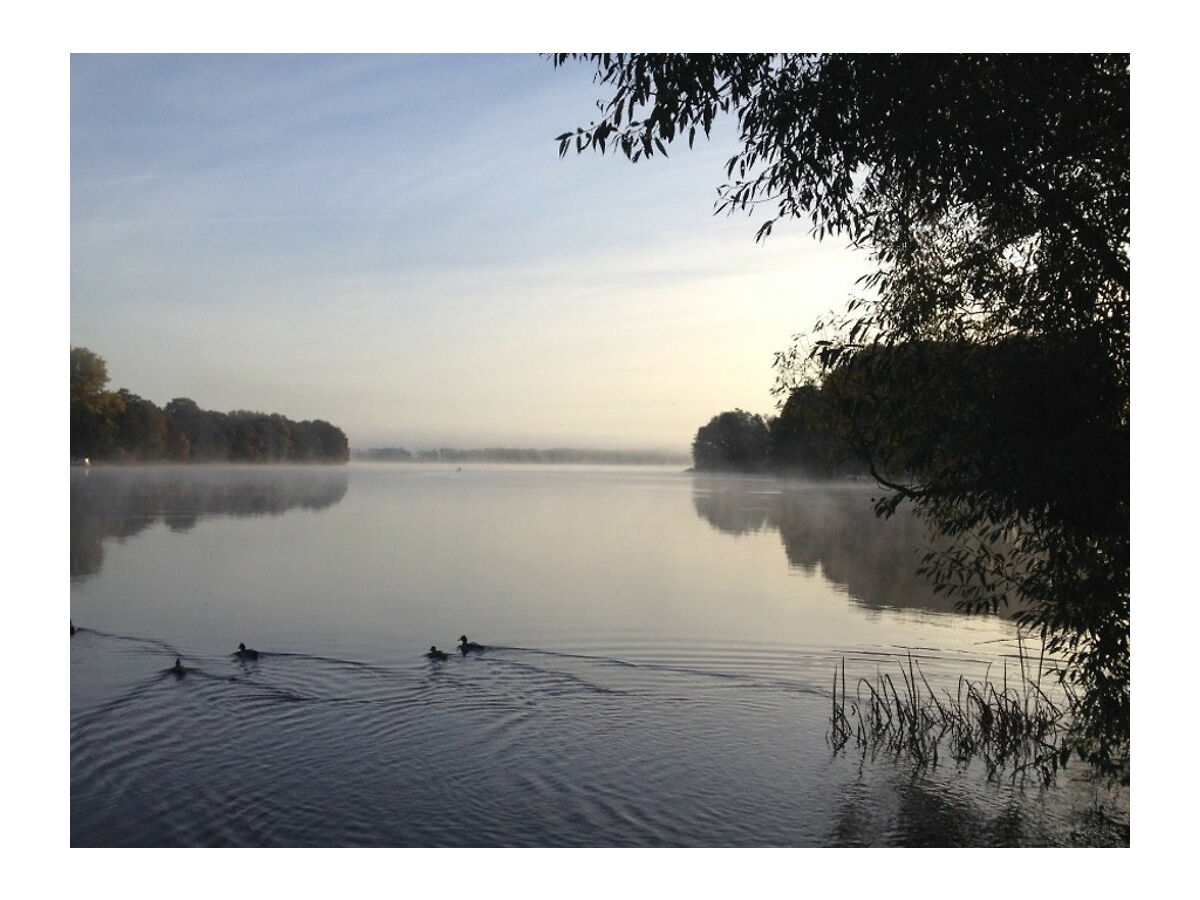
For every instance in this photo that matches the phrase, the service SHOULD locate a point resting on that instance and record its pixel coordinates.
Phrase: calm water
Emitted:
(660, 648)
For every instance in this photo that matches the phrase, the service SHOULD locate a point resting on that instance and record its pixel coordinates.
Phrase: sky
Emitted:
(392, 243)
(213, 241)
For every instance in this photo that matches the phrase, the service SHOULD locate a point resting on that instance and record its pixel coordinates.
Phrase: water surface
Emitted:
(659, 653)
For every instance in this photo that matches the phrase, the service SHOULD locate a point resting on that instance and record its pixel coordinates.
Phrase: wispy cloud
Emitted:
(392, 243)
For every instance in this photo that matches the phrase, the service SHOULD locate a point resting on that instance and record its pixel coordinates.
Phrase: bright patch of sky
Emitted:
(331, 238)
(393, 244)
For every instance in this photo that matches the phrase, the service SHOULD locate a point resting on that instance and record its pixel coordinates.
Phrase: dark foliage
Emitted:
(123, 427)
(992, 192)
(735, 440)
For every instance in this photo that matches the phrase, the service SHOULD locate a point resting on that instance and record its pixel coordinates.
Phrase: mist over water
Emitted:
(659, 653)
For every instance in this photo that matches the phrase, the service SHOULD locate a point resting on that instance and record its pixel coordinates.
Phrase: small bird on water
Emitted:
(244, 653)
(72, 627)
(467, 646)
(435, 653)
(178, 670)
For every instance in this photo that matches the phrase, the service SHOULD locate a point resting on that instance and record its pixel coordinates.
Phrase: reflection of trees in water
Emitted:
(736, 506)
(120, 502)
(831, 525)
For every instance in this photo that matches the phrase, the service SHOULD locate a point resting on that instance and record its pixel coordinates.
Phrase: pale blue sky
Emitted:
(393, 244)
(154, 316)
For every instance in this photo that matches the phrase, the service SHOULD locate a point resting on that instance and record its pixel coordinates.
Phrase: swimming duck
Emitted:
(467, 646)
(435, 653)
(178, 670)
(244, 653)
(72, 627)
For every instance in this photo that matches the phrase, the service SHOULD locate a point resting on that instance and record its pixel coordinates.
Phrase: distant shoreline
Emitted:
(553, 456)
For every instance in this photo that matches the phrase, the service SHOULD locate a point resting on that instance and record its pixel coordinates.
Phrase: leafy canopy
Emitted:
(992, 190)
(992, 194)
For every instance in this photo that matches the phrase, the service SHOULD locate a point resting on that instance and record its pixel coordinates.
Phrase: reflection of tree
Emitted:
(736, 507)
(120, 502)
(830, 525)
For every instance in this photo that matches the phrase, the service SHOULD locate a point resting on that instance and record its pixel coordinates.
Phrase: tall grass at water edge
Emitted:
(1016, 729)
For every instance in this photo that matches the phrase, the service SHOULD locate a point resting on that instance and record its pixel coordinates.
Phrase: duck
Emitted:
(435, 653)
(72, 627)
(178, 670)
(243, 652)
(467, 646)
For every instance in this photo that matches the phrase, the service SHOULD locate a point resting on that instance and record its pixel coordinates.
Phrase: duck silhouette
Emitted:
(243, 652)
(435, 653)
(178, 670)
(467, 646)
(72, 627)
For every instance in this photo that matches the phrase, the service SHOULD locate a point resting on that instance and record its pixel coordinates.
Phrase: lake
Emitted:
(660, 648)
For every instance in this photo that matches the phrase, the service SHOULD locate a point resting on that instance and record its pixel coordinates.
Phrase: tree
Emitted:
(93, 409)
(141, 428)
(246, 441)
(992, 193)
(207, 437)
(89, 375)
(334, 446)
(808, 438)
(734, 440)
(122, 426)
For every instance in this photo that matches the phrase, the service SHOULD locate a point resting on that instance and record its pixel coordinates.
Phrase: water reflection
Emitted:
(831, 526)
(889, 808)
(119, 502)
(650, 681)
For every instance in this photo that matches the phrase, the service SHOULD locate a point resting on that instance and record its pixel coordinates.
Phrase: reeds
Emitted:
(1014, 730)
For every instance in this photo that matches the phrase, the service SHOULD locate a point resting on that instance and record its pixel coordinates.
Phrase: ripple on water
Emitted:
(645, 744)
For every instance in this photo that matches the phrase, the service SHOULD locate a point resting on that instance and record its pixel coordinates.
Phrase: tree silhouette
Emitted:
(124, 427)
(992, 194)
(93, 409)
(732, 440)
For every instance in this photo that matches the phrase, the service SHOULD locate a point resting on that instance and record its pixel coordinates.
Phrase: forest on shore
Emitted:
(1028, 408)
(120, 426)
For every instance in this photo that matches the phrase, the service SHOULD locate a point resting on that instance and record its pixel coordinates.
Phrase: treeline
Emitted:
(799, 441)
(806, 439)
(1033, 415)
(558, 455)
(1018, 452)
(120, 426)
